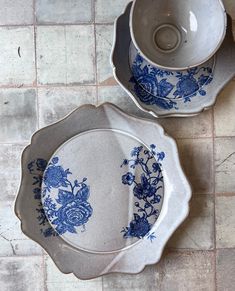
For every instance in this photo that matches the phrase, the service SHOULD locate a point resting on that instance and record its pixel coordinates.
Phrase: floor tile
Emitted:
(224, 112)
(145, 281)
(107, 10)
(197, 160)
(189, 127)
(225, 221)
(225, 165)
(197, 232)
(117, 96)
(230, 7)
(17, 56)
(18, 116)
(104, 41)
(60, 11)
(10, 172)
(16, 12)
(65, 55)
(225, 270)
(56, 103)
(55, 280)
(21, 274)
(192, 271)
(13, 242)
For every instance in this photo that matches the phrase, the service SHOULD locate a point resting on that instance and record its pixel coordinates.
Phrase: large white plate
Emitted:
(83, 201)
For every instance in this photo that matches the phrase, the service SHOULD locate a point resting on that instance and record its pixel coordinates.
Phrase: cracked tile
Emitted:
(224, 112)
(197, 160)
(18, 117)
(107, 10)
(225, 165)
(60, 11)
(65, 55)
(16, 12)
(104, 39)
(10, 156)
(225, 270)
(21, 274)
(13, 241)
(17, 56)
(225, 221)
(56, 103)
(197, 232)
(55, 280)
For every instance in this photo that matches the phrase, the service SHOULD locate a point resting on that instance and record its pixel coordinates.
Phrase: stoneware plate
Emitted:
(169, 93)
(102, 191)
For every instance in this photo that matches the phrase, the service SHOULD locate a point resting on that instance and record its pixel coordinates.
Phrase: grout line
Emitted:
(21, 256)
(95, 60)
(35, 61)
(44, 272)
(213, 165)
(45, 86)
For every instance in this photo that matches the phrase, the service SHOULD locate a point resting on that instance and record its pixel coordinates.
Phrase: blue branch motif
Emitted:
(74, 209)
(36, 168)
(146, 190)
(160, 87)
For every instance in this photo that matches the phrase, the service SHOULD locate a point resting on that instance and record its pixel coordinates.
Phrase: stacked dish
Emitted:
(171, 91)
(98, 209)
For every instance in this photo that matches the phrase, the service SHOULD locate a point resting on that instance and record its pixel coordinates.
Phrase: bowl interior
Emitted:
(177, 34)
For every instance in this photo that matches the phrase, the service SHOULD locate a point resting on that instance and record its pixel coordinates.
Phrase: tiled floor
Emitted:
(54, 56)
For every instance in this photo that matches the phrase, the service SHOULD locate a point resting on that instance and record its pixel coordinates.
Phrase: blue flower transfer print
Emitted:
(146, 190)
(36, 169)
(72, 208)
(164, 88)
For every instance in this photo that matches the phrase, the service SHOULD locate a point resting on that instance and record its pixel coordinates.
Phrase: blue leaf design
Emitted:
(83, 193)
(64, 196)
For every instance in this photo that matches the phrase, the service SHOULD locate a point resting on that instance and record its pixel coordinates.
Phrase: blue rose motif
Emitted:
(144, 189)
(138, 227)
(55, 176)
(71, 209)
(187, 86)
(128, 178)
(74, 213)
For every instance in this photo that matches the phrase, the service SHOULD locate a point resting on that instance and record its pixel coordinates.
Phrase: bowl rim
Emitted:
(178, 68)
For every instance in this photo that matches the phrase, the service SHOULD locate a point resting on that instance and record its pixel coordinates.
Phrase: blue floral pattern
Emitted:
(36, 169)
(164, 88)
(146, 190)
(71, 208)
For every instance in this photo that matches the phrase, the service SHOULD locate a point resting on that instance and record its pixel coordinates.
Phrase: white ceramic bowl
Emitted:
(177, 34)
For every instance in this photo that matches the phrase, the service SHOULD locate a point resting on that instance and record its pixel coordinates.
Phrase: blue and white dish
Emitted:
(169, 93)
(169, 85)
(105, 208)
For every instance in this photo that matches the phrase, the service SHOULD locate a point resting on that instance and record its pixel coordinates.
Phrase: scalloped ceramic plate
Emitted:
(165, 93)
(98, 196)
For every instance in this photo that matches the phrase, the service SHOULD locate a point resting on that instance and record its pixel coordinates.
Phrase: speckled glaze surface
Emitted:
(169, 93)
(177, 35)
(59, 198)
